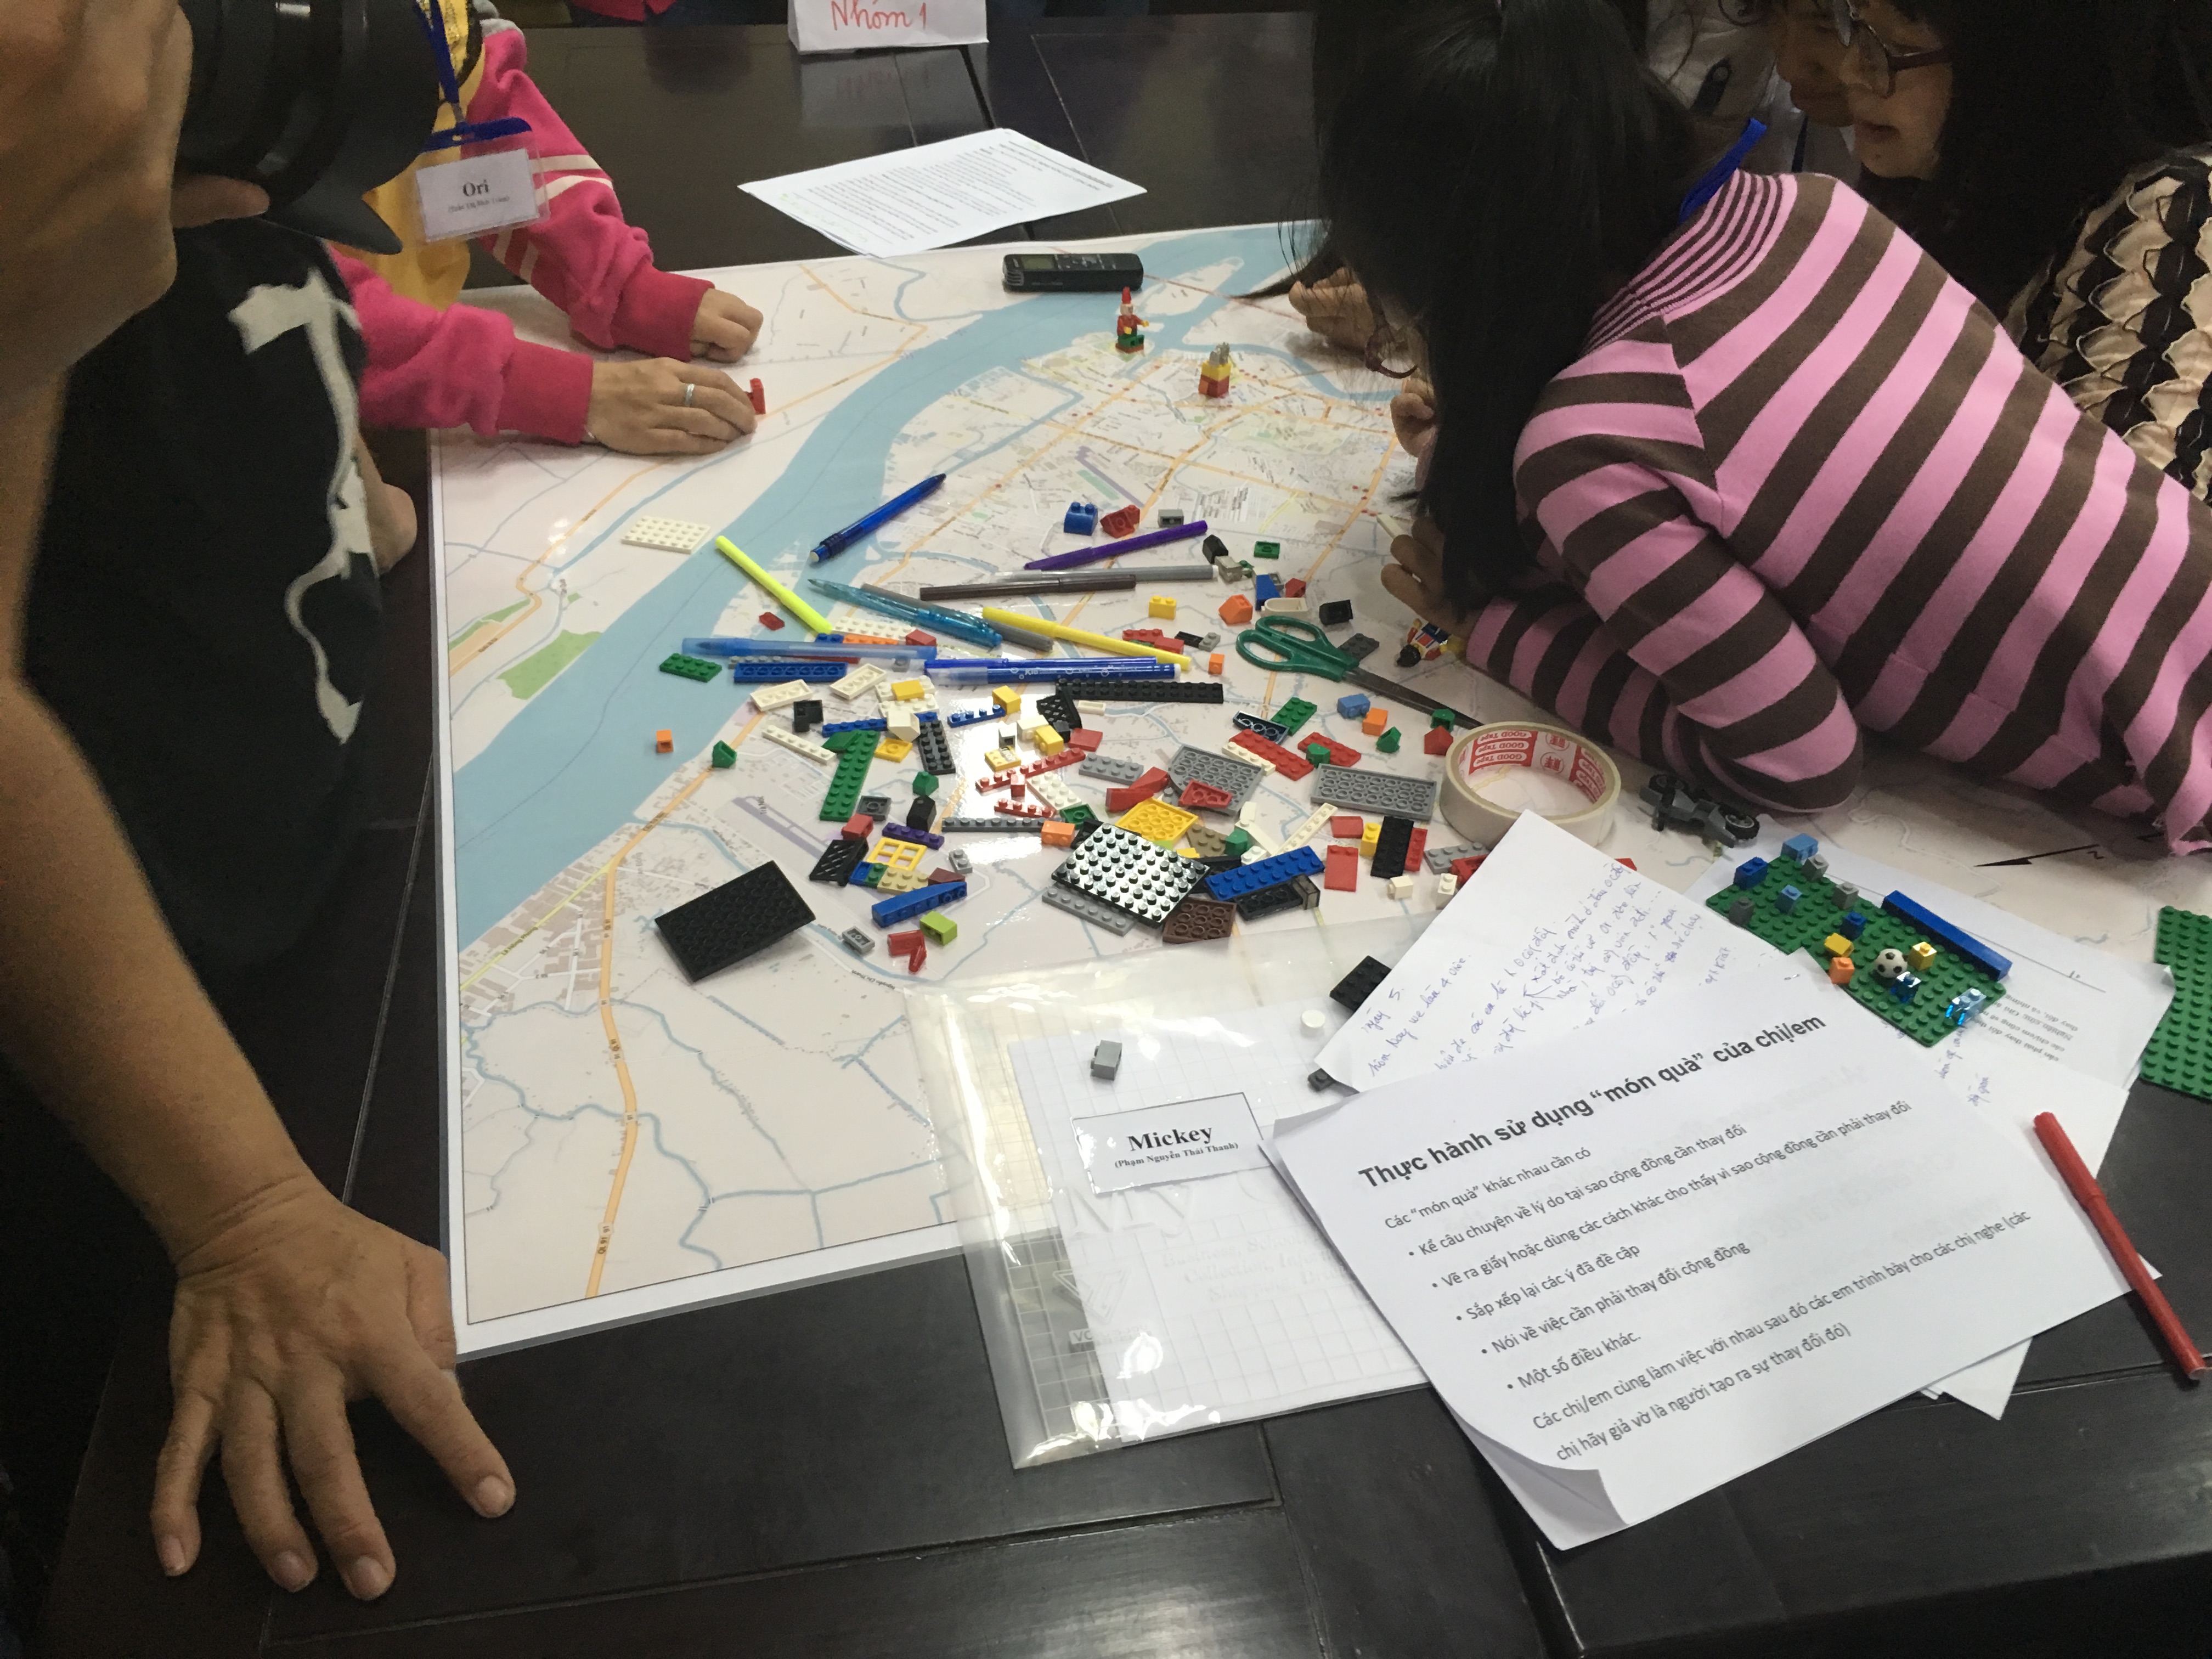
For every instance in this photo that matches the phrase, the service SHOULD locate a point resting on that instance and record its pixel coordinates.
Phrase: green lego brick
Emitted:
(925, 783)
(856, 752)
(1442, 717)
(940, 927)
(1239, 842)
(1318, 752)
(1388, 743)
(2179, 1054)
(692, 668)
(1266, 549)
(725, 756)
(1291, 715)
(1817, 917)
(1078, 813)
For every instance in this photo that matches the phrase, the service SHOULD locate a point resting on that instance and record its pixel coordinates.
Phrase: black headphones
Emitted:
(316, 101)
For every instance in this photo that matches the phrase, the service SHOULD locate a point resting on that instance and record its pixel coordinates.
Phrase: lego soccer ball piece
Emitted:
(1889, 965)
(1213, 375)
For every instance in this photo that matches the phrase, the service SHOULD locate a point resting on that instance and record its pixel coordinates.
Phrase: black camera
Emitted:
(316, 101)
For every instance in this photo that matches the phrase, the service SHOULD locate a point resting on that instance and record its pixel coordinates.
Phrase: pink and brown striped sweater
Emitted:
(1801, 486)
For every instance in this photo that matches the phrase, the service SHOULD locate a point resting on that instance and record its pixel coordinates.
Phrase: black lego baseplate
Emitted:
(730, 923)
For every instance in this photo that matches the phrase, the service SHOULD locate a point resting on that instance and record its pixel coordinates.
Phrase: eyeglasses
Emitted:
(1878, 66)
(1386, 348)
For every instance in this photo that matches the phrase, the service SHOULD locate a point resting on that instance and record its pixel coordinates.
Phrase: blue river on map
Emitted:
(577, 763)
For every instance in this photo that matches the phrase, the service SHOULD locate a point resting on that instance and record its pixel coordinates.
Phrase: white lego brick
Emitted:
(902, 723)
(770, 698)
(1447, 885)
(1311, 827)
(1283, 606)
(858, 684)
(799, 745)
(1399, 887)
(1236, 752)
(669, 535)
(1089, 705)
(1047, 788)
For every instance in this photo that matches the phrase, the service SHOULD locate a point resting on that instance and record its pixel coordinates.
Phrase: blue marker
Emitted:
(960, 626)
(838, 540)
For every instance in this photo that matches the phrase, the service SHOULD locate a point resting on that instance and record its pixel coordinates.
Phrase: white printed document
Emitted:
(935, 195)
(1640, 1261)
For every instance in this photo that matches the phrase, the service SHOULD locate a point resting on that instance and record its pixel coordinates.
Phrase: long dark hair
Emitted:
(1488, 170)
(2053, 103)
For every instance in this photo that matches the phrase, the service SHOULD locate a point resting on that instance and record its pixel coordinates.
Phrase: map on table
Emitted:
(620, 1142)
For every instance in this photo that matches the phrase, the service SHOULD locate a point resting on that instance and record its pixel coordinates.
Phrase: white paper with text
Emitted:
(1646, 1261)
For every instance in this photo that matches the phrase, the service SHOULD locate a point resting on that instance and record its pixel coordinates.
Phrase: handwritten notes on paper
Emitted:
(1550, 935)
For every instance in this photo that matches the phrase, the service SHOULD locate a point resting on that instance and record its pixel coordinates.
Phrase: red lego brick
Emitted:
(1153, 637)
(1290, 765)
(1416, 844)
(758, 397)
(1026, 810)
(1085, 739)
(1295, 588)
(905, 942)
(921, 955)
(1464, 868)
(1631, 863)
(1121, 520)
(769, 620)
(1343, 874)
(1338, 754)
(1439, 740)
(857, 827)
(1016, 790)
(917, 637)
(1122, 799)
(1205, 796)
(940, 875)
(1347, 826)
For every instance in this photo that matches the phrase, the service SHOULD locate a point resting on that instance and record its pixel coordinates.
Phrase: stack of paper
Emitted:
(1641, 1258)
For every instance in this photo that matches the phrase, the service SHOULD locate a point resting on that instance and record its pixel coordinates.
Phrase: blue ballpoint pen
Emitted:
(838, 540)
(961, 627)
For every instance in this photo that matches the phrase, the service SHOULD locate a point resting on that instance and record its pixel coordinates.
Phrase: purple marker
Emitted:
(1083, 556)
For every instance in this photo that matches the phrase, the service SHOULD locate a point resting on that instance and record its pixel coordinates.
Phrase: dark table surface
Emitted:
(822, 1473)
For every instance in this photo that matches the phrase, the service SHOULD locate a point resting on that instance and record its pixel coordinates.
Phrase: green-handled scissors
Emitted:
(1290, 643)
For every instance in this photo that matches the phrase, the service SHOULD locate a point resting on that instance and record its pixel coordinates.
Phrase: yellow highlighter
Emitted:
(807, 615)
(992, 613)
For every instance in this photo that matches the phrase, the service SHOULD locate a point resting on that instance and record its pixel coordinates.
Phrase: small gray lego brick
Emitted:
(1439, 859)
(1112, 767)
(1191, 766)
(877, 808)
(1740, 910)
(1210, 640)
(1847, 896)
(1123, 868)
(959, 859)
(1358, 789)
(1319, 1081)
(997, 823)
(1357, 645)
(1169, 518)
(1094, 911)
(1817, 864)
(1106, 1059)
(856, 941)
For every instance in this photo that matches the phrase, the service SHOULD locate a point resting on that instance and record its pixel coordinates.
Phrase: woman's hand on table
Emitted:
(638, 407)
(725, 328)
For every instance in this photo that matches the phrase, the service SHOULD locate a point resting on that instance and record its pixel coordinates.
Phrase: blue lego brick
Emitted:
(1788, 900)
(779, 669)
(1947, 933)
(865, 875)
(836, 727)
(1801, 847)
(1750, 873)
(887, 912)
(1265, 873)
(1082, 519)
(1852, 925)
(971, 717)
(1904, 987)
(1353, 706)
(1265, 588)
(1964, 1005)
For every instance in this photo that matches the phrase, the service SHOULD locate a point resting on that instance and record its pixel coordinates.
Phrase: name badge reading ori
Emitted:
(476, 194)
(1154, 1144)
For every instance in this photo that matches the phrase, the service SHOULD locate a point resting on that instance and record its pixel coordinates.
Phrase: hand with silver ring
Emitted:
(656, 406)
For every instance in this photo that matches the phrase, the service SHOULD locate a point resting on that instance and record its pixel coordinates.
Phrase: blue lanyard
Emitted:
(1722, 170)
(464, 131)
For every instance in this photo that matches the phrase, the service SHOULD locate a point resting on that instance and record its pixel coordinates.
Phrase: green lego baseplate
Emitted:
(856, 752)
(1818, 915)
(2180, 1053)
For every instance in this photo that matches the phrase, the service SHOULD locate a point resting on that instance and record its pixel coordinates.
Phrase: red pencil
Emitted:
(2083, 1185)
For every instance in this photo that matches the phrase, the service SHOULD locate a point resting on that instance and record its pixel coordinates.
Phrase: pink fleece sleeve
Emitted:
(428, 368)
(582, 256)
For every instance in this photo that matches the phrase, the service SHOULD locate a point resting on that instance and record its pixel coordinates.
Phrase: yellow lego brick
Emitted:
(904, 689)
(1008, 700)
(1835, 946)
(900, 854)
(1047, 741)
(1922, 956)
(1368, 837)
(1002, 760)
(893, 749)
(1156, 820)
(1162, 604)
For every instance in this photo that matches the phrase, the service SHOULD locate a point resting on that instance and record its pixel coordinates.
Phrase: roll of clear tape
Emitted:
(1571, 780)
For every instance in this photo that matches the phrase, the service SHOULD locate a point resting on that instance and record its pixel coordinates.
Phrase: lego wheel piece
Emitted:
(1356, 986)
(1097, 912)
(732, 921)
(1124, 869)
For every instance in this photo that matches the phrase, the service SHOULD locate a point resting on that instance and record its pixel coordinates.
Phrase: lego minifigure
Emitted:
(1127, 337)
